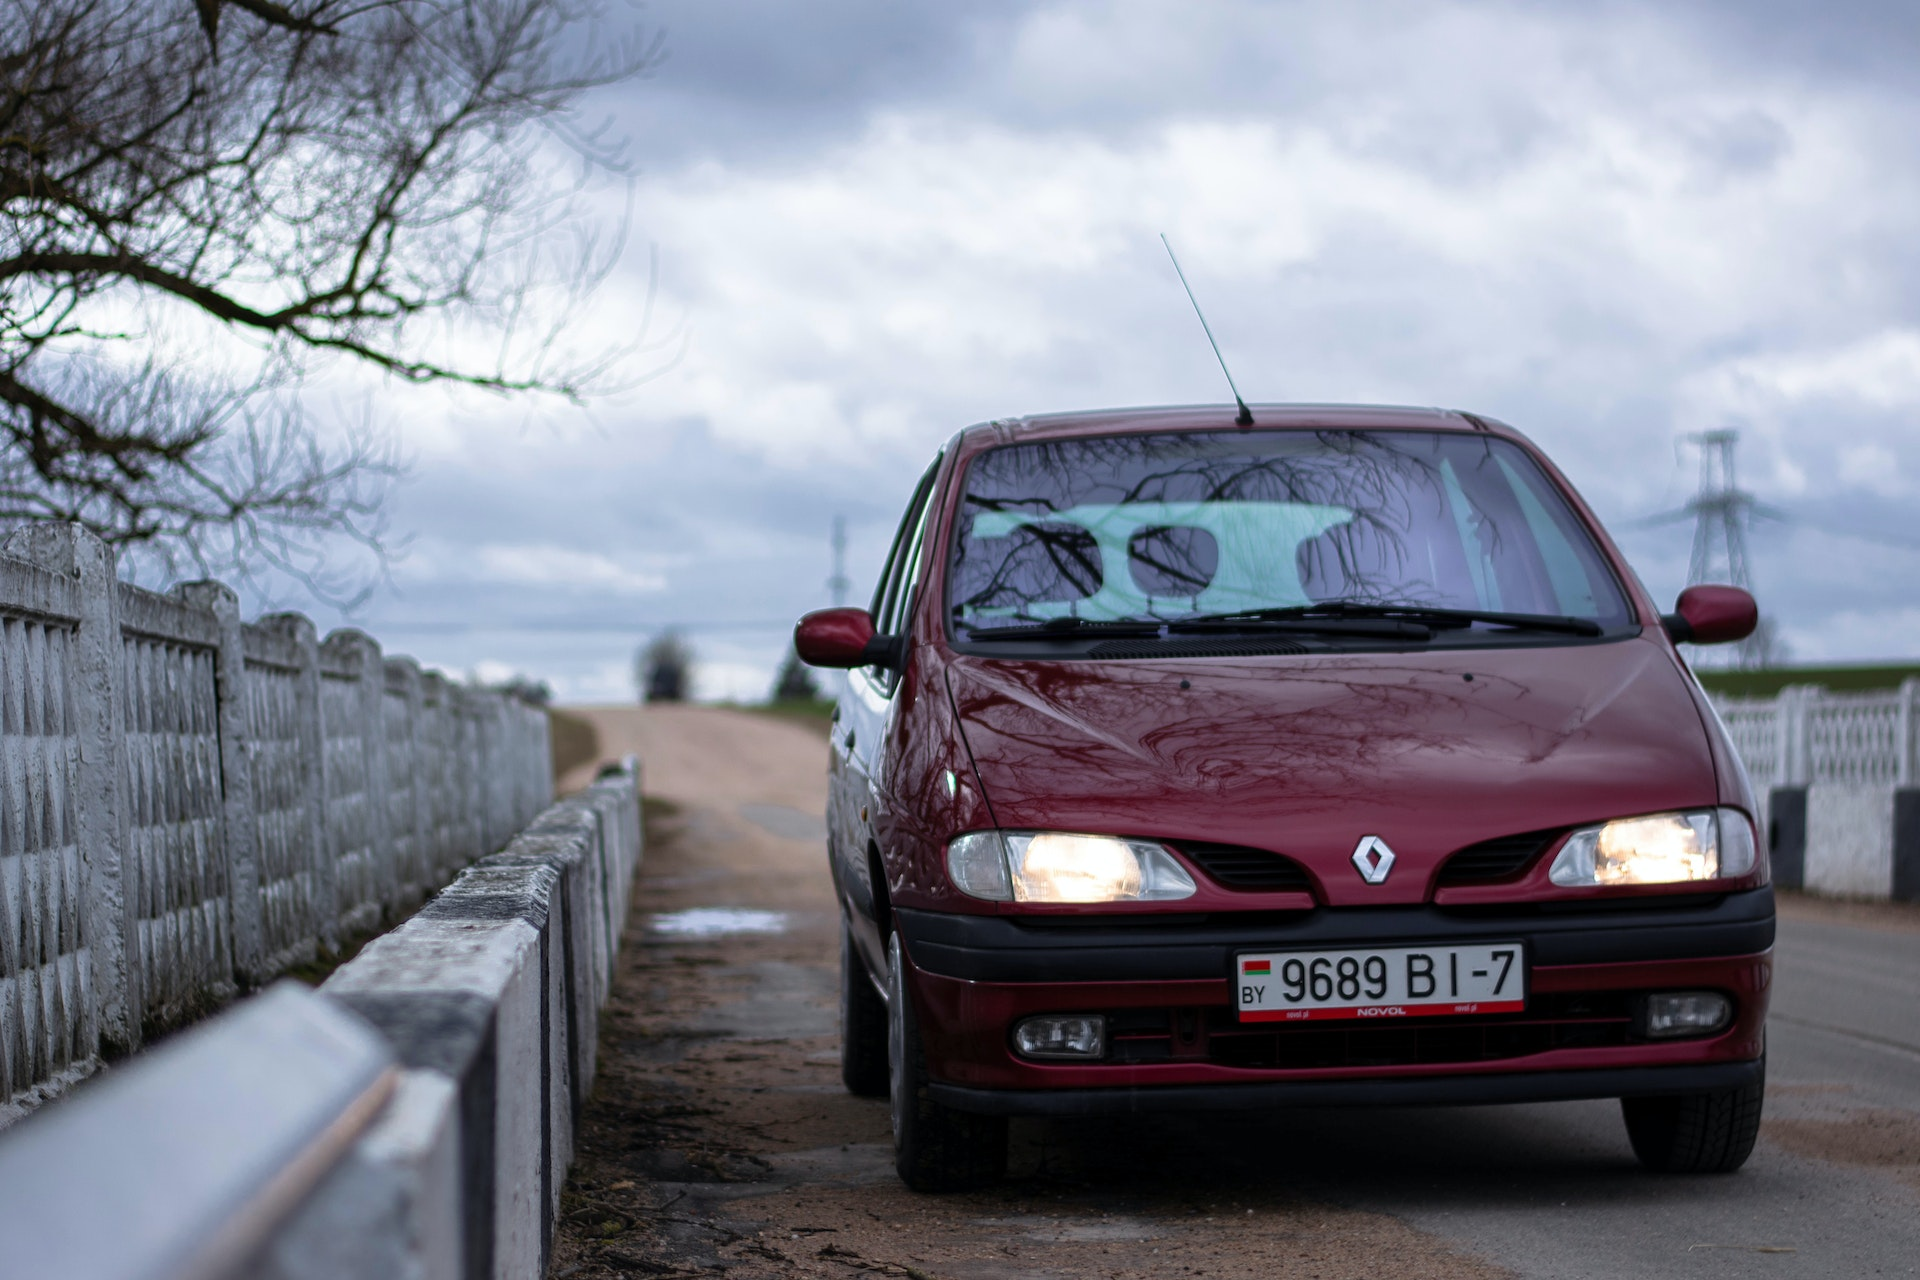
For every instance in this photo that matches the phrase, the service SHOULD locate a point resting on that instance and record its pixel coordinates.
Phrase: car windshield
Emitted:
(1171, 526)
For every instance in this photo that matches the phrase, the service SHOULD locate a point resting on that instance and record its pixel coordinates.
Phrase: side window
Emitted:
(906, 578)
(897, 580)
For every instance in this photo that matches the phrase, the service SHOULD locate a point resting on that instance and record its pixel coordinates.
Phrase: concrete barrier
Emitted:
(185, 1164)
(478, 1018)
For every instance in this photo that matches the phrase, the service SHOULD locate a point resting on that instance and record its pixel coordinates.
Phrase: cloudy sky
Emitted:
(1610, 224)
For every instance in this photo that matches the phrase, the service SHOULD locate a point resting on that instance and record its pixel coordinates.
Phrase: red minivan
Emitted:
(1338, 759)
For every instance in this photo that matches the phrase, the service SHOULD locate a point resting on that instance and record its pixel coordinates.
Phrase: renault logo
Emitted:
(1372, 859)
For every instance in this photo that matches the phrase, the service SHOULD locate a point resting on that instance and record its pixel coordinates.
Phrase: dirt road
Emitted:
(720, 1140)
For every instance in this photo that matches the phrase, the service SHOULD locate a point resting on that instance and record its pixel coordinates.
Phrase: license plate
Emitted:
(1380, 982)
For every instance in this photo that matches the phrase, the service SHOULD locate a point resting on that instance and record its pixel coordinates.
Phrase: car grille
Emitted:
(1498, 859)
(1213, 1035)
(1240, 868)
(1252, 648)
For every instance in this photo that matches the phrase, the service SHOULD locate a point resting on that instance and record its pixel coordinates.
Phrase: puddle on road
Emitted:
(717, 922)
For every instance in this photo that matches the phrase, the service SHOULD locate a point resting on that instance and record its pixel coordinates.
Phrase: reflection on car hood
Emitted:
(1304, 756)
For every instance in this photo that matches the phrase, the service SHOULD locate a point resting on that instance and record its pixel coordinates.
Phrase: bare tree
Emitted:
(205, 203)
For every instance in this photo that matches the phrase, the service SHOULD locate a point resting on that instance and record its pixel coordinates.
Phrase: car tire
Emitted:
(863, 1025)
(1696, 1132)
(935, 1148)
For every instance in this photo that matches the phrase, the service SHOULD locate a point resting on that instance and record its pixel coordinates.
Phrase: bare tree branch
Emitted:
(396, 184)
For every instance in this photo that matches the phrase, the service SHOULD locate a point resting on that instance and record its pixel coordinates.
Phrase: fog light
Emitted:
(1061, 1035)
(1686, 1013)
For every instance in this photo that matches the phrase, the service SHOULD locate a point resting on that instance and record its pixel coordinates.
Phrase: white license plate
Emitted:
(1380, 982)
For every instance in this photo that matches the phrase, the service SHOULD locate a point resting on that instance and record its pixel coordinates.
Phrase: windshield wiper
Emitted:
(1064, 629)
(1424, 615)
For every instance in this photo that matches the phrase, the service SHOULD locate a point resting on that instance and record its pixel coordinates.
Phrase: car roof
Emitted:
(1217, 417)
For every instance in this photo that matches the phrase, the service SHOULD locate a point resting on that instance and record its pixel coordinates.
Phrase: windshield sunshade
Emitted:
(1157, 528)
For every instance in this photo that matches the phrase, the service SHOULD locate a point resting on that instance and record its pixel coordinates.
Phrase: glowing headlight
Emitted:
(1051, 866)
(1661, 848)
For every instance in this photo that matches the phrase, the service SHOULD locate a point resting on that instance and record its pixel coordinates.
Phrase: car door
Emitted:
(861, 733)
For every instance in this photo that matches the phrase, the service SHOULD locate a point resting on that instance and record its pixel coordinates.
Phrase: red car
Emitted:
(1339, 759)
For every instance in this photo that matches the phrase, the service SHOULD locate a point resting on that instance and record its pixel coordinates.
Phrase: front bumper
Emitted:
(1173, 947)
(1440, 1091)
(1163, 984)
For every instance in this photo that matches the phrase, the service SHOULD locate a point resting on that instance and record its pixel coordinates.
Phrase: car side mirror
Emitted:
(844, 638)
(1712, 615)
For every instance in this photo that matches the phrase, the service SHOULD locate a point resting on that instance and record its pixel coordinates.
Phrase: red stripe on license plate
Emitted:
(1383, 1012)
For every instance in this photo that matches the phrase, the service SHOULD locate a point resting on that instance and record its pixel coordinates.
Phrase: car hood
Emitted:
(1305, 756)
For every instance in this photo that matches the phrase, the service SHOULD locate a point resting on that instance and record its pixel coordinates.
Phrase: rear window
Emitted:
(1161, 527)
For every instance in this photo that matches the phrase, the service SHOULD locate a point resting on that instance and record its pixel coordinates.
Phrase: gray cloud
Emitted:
(1610, 224)
(773, 81)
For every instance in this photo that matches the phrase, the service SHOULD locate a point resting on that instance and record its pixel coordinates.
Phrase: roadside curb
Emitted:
(489, 998)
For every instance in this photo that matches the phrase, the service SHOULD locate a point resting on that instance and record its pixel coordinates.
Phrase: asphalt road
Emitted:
(720, 1142)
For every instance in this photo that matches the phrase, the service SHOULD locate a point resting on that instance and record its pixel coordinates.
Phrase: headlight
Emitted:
(1661, 848)
(1052, 866)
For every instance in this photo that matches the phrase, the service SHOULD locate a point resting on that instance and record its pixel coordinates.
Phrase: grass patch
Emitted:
(1843, 678)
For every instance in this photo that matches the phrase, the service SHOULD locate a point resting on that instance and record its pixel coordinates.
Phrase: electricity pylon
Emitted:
(1722, 512)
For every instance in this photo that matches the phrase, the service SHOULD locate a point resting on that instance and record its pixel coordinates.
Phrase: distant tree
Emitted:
(664, 669)
(200, 199)
(795, 682)
(528, 689)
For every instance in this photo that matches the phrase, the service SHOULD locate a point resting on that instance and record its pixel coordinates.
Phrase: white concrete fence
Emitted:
(191, 805)
(412, 1120)
(1836, 777)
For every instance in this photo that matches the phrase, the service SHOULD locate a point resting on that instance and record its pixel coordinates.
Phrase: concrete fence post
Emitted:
(298, 629)
(435, 740)
(236, 781)
(365, 723)
(1796, 733)
(486, 739)
(414, 818)
(473, 785)
(1787, 802)
(540, 768)
(1905, 885)
(373, 710)
(101, 822)
(1905, 723)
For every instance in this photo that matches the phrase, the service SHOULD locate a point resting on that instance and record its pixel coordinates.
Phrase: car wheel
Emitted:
(1696, 1132)
(935, 1148)
(863, 1025)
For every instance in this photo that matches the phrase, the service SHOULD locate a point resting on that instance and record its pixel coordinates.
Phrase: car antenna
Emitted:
(1245, 417)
